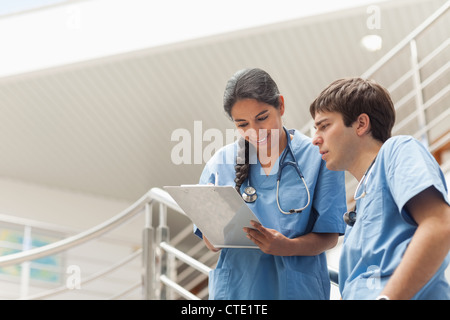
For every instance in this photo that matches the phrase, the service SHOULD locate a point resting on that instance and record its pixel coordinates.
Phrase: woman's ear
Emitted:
(281, 105)
(362, 124)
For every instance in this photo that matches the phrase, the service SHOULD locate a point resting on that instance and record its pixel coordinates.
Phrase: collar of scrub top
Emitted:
(350, 216)
(294, 164)
(249, 194)
(363, 182)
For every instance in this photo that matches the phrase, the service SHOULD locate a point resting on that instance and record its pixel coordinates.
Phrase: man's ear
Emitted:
(362, 124)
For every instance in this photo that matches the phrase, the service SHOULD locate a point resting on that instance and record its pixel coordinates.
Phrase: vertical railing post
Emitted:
(25, 266)
(148, 255)
(418, 88)
(162, 235)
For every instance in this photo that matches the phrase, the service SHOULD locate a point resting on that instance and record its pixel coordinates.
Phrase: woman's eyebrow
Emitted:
(258, 115)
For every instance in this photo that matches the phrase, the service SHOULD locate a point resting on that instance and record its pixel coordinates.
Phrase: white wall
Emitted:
(52, 205)
(77, 212)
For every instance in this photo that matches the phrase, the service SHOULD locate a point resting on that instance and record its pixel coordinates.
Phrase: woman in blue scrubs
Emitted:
(398, 239)
(291, 262)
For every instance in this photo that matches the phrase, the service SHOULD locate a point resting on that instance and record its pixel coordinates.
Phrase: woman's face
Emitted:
(259, 123)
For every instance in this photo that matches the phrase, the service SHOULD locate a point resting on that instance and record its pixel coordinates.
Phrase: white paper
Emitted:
(218, 211)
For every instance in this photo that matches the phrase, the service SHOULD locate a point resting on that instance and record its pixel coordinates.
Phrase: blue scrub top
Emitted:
(252, 274)
(374, 246)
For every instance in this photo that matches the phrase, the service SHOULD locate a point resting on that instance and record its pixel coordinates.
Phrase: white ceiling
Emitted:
(104, 126)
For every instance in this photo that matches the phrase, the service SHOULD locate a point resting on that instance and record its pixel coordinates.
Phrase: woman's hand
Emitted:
(275, 243)
(270, 241)
(209, 245)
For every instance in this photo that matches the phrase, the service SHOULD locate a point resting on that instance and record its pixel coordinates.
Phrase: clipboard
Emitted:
(218, 211)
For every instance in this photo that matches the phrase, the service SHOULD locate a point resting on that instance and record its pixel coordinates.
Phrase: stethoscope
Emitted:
(249, 194)
(350, 216)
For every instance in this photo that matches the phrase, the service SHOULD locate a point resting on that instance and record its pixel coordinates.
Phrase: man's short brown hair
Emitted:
(354, 96)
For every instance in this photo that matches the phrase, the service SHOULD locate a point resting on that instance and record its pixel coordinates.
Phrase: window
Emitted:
(44, 270)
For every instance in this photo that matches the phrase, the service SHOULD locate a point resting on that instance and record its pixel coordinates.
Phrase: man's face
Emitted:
(336, 142)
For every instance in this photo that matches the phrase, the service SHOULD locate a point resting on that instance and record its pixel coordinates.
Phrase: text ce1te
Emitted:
(231, 309)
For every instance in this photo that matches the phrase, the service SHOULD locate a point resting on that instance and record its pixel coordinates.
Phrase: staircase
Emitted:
(176, 266)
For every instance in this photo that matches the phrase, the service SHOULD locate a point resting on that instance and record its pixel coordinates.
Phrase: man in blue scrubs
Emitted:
(398, 239)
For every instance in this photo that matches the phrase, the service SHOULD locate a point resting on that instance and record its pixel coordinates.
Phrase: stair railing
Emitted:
(412, 73)
(159, 255)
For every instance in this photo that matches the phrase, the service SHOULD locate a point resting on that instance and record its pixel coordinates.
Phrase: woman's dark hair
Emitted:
(354, 96)
(248, 84)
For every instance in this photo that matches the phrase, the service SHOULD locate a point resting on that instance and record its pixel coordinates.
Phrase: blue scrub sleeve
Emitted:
(411, 169)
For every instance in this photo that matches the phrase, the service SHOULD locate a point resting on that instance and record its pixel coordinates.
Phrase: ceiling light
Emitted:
(372, 42)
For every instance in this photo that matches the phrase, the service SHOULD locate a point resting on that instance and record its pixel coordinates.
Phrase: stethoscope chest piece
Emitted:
(350, 218)
(249, 194)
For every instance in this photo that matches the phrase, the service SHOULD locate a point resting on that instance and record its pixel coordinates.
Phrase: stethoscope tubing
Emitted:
(282, 165)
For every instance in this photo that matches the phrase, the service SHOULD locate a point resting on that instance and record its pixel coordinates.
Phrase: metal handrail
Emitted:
(133, 287)
(333, 273)
(81, 237)
(402, 44)
(155, 194)
(88, 279)
(163, 198)
(395, 50)
(185, 258)
(182, 291)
